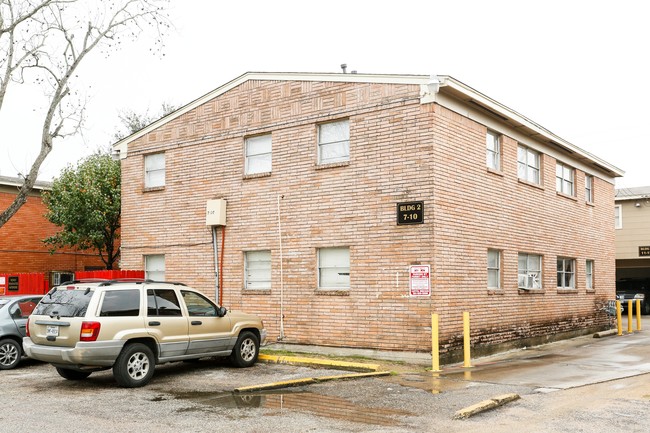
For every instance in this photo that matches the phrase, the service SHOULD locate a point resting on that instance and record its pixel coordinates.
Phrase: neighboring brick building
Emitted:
(21, 239)
(632, 223)
(320, 162)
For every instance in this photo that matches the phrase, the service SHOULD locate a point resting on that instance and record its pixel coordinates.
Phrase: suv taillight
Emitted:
(89, 331)
(27, 327)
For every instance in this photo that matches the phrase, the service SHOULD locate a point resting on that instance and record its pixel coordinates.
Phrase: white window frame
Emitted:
(334, 268)
(154, 170)
(154, 267)
(527, 170)
(618, 216)
(493, 150)
(564, 179)
(564, 271)
(259, 152)
(325, 144)
(257, 270)
(589, 274)
(530, 277)
(494, 268)
(589, 188)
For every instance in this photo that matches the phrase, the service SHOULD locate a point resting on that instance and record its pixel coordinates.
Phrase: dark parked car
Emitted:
(14, 311)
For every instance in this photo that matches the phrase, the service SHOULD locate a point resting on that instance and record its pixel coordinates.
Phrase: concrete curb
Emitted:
(485, 405)
(307, 381)
(316, 362)
(605, 333)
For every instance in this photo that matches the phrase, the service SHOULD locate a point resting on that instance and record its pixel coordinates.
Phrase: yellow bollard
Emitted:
(466, 340)
(638, 314)
(629, 316)
(435, 349)
(619, 321)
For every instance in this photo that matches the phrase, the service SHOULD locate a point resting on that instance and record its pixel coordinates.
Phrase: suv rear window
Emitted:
(65, 303)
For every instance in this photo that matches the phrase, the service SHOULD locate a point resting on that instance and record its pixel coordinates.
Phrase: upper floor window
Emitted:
(154, 170)
(589, 188)
(258, 154)
(154, 267)
(618, 216)
(528, 164)
(334, 142)
(566, 273)
(334, 268)
(530, 271)
(493, 150)
(257, 269)
(494, 269)
(564, 179)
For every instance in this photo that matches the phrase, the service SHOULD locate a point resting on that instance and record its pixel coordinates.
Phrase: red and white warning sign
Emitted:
(419, 280)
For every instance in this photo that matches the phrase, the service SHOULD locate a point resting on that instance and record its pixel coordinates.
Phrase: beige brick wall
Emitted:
(400, 150)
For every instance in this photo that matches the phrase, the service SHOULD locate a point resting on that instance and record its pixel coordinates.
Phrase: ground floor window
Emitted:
(334, 268)
(590, 274)
(566, 273)
(494, 269)
(257, 270)
(530, 271)
(154, 267)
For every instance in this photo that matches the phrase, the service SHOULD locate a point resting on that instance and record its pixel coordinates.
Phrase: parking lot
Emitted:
(583, 384)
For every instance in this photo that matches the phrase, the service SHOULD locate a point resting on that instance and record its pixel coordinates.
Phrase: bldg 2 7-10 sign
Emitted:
(420, 280)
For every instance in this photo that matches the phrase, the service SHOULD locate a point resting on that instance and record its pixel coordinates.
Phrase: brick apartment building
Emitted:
(21, 239)
(338, 186)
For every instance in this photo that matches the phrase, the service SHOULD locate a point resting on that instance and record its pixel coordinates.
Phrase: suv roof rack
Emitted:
(136, 281)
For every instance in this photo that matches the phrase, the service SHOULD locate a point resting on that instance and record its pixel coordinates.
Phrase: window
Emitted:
(198, 305)
(494, 269)
(589, 189)
(257, 269)
(154, 267)
(564, 179)
(154, 170)
(528, 162)
(334, 268)
(618, 216)
(120, 303)
(589, 274)
(530, 271)
(162, 302)
(566, 273)
(258, 154)
(493, 150)
(334, 142)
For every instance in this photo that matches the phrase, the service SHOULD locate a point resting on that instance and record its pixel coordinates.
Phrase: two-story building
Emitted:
(632, 221)
(21, 239)
(358, 205)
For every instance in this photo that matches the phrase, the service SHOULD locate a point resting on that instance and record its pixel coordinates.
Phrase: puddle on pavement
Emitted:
(434, 383)
(301, 401)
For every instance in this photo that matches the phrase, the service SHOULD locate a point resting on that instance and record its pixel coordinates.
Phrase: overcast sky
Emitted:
(579, 68)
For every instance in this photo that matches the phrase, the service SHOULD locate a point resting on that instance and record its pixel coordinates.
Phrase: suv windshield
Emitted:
(65, 303)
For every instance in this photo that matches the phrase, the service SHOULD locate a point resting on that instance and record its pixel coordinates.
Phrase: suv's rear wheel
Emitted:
(135, 365)
(66, 373)
(10, 352)
(245, 352)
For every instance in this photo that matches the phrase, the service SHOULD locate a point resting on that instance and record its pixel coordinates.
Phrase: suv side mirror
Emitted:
(221, 312)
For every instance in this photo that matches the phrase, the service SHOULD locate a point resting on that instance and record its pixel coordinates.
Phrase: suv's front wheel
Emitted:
(135, 366)
(245, 352)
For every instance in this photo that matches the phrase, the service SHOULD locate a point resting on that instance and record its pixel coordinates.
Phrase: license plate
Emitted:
(52, 331)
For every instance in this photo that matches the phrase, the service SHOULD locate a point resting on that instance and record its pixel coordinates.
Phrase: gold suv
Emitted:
(133, 325)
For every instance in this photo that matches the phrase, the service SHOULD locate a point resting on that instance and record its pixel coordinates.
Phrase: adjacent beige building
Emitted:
(358, 205)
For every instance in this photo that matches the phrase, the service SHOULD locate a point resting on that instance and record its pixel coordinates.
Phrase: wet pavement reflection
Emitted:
(301, 401)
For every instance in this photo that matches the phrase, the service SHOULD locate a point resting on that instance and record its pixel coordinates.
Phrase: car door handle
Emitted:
(196, 322)
(154, 323)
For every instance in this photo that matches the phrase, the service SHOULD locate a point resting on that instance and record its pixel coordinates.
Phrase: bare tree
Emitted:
(45, 41)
